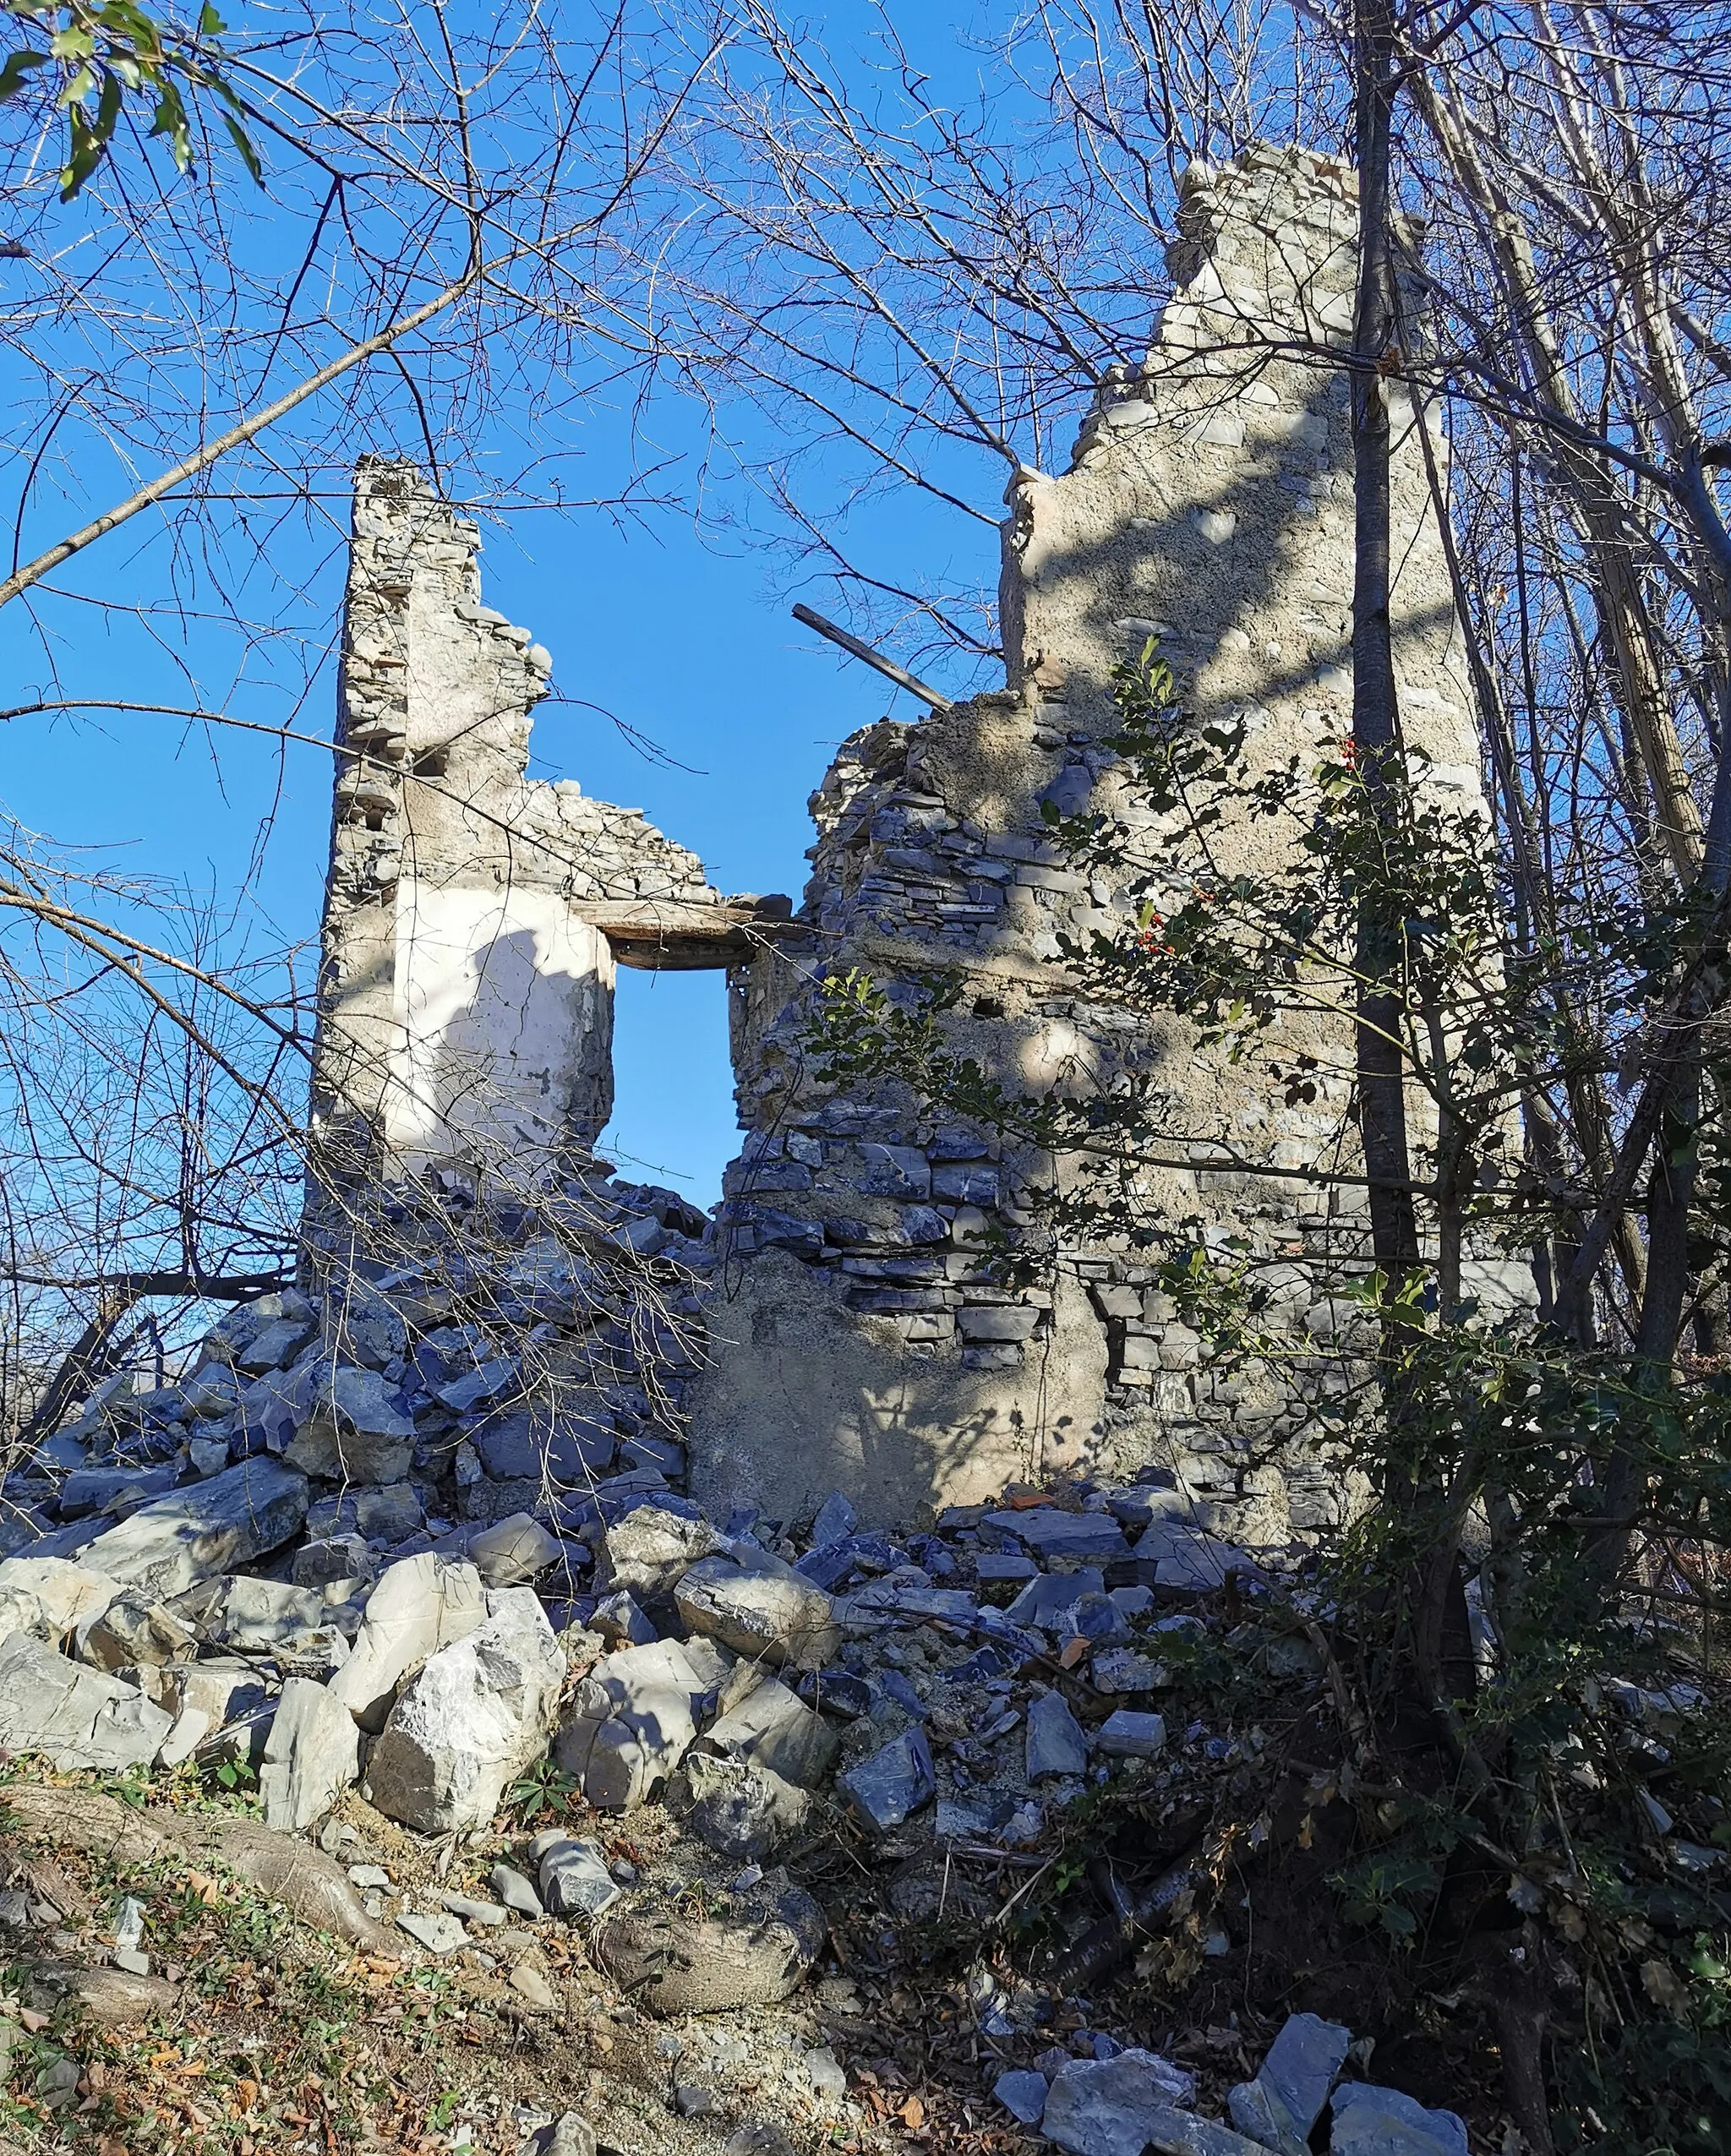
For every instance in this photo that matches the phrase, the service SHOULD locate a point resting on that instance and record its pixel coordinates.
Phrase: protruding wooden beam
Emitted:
(886, 667)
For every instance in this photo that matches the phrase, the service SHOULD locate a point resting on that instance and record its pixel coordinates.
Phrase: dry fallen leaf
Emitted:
(1659, 1981)
(914, 2114)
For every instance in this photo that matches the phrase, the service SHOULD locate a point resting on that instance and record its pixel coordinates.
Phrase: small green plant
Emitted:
(542, 1793)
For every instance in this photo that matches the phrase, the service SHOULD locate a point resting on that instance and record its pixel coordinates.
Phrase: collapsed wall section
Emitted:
(866, 1345)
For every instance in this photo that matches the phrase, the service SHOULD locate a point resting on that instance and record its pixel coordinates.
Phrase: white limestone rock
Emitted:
(421, 1605)
(205, 1530)
(772, 1728)
(76, 1717)
(649, 1551)
(49, 1596)
(514, 1551)
(759, 1606)
(479, 1712)
(631, 1721)
(311, 1756)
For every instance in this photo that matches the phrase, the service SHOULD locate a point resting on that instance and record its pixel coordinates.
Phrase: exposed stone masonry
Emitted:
(1208, 506)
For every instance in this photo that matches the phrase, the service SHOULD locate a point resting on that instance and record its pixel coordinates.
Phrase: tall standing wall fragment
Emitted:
(466, 1012)
(859, 1341)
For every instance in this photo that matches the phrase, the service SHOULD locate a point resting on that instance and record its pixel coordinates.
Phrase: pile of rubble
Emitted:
(292, 1565)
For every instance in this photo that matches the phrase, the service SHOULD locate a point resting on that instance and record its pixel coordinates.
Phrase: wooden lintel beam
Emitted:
(675, 936)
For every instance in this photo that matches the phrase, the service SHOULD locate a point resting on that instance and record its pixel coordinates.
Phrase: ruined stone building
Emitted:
(476, 916)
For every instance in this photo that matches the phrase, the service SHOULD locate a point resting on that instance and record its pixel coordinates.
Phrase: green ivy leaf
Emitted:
(17, 66)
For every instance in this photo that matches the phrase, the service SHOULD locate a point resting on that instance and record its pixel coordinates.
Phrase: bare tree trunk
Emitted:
(1382, 1104)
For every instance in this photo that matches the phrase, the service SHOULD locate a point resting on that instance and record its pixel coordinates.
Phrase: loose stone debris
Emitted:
(954, 1687)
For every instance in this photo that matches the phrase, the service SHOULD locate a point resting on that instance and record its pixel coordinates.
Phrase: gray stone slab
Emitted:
(1053, 1534)
(575, 1881)
(76, 1717)
(1371, 2121)
(1109, 2107)
(1056, 1743)
(311, 1756)
(1128, 1735)
(1022, 2092)
(205, 1530)
(1284, 2102)
(515, 1891)
(759, 1606)
(1045, 1599)
(891, 1783)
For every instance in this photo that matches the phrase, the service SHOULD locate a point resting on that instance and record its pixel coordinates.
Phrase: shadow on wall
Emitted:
(1240, 563)
(505, 1023)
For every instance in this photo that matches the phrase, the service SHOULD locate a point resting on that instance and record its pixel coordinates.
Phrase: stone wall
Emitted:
(858, 1343)
(466, 991)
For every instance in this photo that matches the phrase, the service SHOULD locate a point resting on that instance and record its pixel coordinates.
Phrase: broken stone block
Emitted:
(631, 1722)
(1055, 1742)
(226, 1692)
(674, 1964)
(356, 1432)
(1292, 2086)
(389, 1514)
(49, 1596)
(889, 1784)
(477, 1714)
(772, 1728)
(515, 1891)
(361, 1326)
(621, 1624)
(267, 1617)
(514, 1551)
(275, 1346)
(98, 1489)
(1109, 2107)
(1053, 1534)
(311, 1756)
(1045, 1599)
(650, 1551)
(132, 1633)
(575, 1881)
(1131, 1736)
(76, 1717)
(836, 1520)
(1187, 1558)
(434, 1929)
(1121, 1669)
(204, 1531)
(760, 1608)
(1022, 2092)
(1371, 2121)
(739, 1807)
(332, 1559)
(190, 1730)
(421, 1605)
